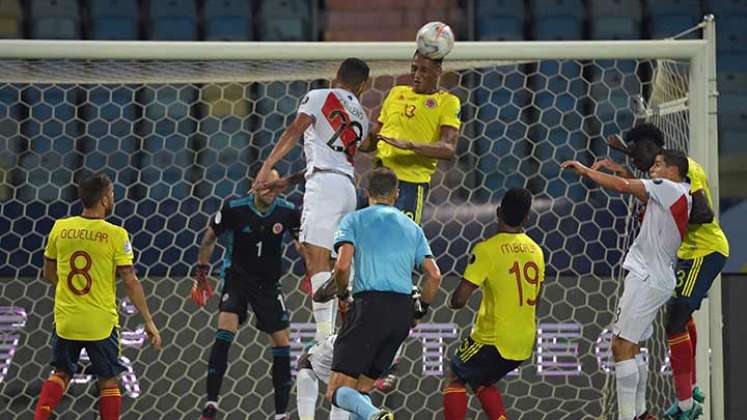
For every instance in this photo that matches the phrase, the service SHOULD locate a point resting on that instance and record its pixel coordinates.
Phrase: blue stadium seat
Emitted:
(228, 20)
(732, 73)
(732, 123)
(114, 19)
(664, 26)
(173, 20)
(615, 28)
(731, 33)
(543, 8)
(673, 7)
(284, 20)
(616, 8)
(11, 19)
(723, 8)
(497, 8)
(557, 28)
(503, 28)
(55, 19)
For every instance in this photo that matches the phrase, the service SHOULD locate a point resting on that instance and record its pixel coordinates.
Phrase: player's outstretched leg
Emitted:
(626, 375)
(640, 392)
(455, 401)
(51, 394)
(217, 365)
(492, 402)
(681, 350)
(110, 399)
(281, 379)
(359, 404)
(698, 394)
(307, 391)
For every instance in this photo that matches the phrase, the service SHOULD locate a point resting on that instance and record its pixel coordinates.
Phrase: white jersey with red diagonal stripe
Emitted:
(340, 124)
(654, 252)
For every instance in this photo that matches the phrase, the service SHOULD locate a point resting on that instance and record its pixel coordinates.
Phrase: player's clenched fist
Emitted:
(201, 288)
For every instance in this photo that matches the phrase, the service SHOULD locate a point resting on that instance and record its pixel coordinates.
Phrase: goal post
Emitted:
(179, 125)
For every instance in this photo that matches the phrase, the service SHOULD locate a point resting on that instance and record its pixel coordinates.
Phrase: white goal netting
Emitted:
(179, 138)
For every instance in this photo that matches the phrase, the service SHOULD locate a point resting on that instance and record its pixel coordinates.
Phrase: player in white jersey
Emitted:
(650, 263)
(333, 123)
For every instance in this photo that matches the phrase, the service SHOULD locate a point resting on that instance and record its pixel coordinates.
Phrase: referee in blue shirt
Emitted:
(385, 246)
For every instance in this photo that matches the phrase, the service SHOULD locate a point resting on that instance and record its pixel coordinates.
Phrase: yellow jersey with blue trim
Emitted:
(416, 117)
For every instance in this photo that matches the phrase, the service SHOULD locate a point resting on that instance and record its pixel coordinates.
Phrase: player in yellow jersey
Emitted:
(417, 125)
(82, 258)
(509, 268)
(701, 257)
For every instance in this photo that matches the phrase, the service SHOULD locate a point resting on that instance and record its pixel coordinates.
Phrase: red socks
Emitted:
(455, 402)
(682, 365)
(694, 341)
(492, 402)
(110, 403)
(51, 394)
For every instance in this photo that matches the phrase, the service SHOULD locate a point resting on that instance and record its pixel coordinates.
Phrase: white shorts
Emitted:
(328, 198)
(637, 308)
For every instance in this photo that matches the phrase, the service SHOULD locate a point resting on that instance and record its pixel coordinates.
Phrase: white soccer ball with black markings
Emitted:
(435, 40)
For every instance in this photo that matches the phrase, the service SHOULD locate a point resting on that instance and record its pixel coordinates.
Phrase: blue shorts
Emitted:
(694, 278)
(410, 201)
(480, 364)
(104, 355)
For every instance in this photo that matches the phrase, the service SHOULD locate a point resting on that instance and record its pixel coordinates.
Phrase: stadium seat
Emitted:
(732, 114)
(731, 33)
(732, 73)
(557, 28)
(173, 20)
(615, 28)
(228, 20)
(285, 20)
(503, 28)
(497, 8)
(543, 8)
(11, 19)
(665, 26)
(673, 7)
(55, 19)
(114, 19)
(723, 8)
(616, 8)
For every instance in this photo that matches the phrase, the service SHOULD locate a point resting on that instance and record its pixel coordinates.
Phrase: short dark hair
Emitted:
(382, 182)
(515, 206)
(676, 158)
(438, 61)
(643, 132)
(92, 189)
(353, 72)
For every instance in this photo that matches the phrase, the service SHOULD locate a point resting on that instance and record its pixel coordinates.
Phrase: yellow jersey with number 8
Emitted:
(509, 268)
(416, 117)
(87, 252)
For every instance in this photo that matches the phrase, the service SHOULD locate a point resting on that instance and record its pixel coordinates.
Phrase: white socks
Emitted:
(626, 373)
(307, 390)
(640, 392)
(324, 313)
(685, 405)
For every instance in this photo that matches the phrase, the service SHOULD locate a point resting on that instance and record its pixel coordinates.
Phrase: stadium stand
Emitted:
(173, 20)
(114, 19)
(11, 19)
(55, 19)
(228, 20)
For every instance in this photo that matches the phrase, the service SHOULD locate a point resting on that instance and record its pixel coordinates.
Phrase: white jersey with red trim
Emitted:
(340, 124)
(654, 252)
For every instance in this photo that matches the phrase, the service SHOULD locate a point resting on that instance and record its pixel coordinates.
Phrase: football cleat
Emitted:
(383, 415)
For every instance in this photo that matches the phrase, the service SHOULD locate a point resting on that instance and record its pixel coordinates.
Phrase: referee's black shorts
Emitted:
(375, 326)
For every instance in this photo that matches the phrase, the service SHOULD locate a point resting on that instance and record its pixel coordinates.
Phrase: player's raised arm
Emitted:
(135, 292)
(287, 141)
(610, 182)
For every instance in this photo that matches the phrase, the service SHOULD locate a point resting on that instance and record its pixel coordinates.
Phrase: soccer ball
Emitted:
(435, 40)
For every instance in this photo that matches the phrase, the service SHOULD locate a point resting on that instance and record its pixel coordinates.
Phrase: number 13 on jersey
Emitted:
(530, 273)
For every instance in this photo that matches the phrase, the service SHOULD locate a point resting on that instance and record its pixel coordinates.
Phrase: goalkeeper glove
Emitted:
(201, 289)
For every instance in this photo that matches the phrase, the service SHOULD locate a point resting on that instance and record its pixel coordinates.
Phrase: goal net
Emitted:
(179, 137)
